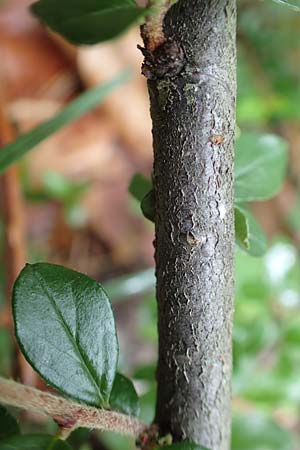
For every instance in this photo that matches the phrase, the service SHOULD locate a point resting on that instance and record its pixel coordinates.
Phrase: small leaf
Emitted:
(75, 109)
(241, 229)
(88, 21)
(8, 424)
(257, 244)
(123, 396)
(184, 446)
(141, 189)
(66, 330)
(33, 442)
(139, 186)
(148, 206)
(260, 166)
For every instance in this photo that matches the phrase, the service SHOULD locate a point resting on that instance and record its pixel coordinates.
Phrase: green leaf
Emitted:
(58, 187)
(33, 442)
(75, 109)
(8, 424)
(65, 328)
(141, 189)
(256, 243)
(145, 372)
(88, 21)
(148, 206)
(115, 441)
(241, 229)
(184, 446)
(260, 166)
(259, 432)
(6, 344)
(127, 286)
(295, 4)
(123, 396)
(139, 186)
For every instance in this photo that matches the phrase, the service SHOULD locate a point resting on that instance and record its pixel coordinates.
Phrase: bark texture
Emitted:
(192, 86)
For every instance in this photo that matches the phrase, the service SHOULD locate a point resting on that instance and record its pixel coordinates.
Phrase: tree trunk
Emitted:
(190, 65)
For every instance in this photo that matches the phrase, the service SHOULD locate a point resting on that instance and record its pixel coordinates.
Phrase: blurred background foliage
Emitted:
(73, 207)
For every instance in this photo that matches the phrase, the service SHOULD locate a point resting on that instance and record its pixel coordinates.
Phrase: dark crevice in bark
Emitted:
(192, 86)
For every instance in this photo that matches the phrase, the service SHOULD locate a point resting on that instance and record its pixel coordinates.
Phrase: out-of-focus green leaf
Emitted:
(79, 438)
(114, 441)
(293, 4)
(6, 352)
(58, 187)
(184, 446)
(241, 229)
(255, 242)
(258, 432)
(75, 215)
(145, 372)
(33, 442)
(260, 166)
(129, 285)
(88, 21)
(75, 109)
(139, 186)
(66, 330)
(69, 193)
(147, 402)
(8, 424)
(123, 396)
(147, 319)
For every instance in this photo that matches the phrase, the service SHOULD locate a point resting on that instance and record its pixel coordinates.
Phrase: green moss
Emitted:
(189, 92)
(164, 93)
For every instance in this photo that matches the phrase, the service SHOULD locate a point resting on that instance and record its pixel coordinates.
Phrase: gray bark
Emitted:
(192, 86)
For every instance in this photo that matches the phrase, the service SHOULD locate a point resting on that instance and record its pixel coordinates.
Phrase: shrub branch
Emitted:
(68, 414)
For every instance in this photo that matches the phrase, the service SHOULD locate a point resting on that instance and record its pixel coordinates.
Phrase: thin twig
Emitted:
(68, 414)
(12, 209)
(152, 31)
(13, 216)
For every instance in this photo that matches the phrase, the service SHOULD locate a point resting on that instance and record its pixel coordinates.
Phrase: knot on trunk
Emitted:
(165, 61)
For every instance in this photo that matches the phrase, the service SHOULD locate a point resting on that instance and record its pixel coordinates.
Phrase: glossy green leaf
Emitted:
(139, 186)
(65, 328)
(33, 442)
(148, 206)
(256, 243)
(123, 396)
(88, 21)
(8, 424)
(260, 166)
(75, 109)
(184, 446)
(241, 229)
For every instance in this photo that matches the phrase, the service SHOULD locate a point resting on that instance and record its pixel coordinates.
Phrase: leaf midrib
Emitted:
(86, 364)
